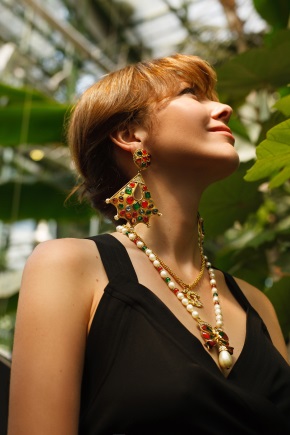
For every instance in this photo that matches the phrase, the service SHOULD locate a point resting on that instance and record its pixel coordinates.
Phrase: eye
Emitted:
(192, 91)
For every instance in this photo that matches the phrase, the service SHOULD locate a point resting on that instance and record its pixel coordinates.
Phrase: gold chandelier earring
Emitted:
(133, 201)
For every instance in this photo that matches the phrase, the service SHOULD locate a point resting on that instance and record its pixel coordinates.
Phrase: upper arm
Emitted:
(264, 307)
(49, 342)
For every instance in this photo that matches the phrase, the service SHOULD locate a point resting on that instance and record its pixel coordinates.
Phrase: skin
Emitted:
(63, 280)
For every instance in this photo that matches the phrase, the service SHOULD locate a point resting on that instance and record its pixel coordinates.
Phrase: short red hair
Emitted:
(116, 100)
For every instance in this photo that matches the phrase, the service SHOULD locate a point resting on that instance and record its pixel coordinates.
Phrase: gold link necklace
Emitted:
(187, 289)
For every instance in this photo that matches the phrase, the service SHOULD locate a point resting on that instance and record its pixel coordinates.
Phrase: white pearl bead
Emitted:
(156, 263)
(119, 228)
(225, 359)
(184, 301)
(214, 290)
(171, 285)
(212, 275)
(217, 306)
(180, 295)
(140, 244)
(195, 314)
(218, 317)
(190, 308)
(219, 323)
(163, 273)
(215, 298)
(208, 264)
(217, 310)
(152, 257)
(212, 282)
(148, 252)
(132, 236)
(124, 230)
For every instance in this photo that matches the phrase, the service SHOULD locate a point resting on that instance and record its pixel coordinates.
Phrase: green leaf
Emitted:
(276, 12)
(273, 157)
(29, 117)
(40, 201)
(248, 264)
(11, 95)
(260, 68)
(45, 123)
(279, 295)
(283, 105)
(275, 118)
(228, 201)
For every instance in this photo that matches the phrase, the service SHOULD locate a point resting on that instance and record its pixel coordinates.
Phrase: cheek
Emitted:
(180, 124)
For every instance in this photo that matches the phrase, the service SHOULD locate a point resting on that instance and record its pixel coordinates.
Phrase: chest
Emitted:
(233, 315)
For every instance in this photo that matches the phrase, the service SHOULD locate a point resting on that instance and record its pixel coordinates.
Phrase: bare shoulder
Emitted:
(58, 288)
(53, 263)
(256, 297)
(69, 251)
(66, 269)
(262, 304)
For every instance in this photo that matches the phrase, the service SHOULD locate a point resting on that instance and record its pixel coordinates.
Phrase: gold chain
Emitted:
(179, 280)
(182, 284)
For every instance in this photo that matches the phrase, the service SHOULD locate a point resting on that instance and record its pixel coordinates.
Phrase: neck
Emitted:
(174, 234)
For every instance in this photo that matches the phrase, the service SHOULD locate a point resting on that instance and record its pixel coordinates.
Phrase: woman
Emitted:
(135, 332)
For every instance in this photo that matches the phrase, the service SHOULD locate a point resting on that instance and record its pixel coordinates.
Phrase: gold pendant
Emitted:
(193, 298)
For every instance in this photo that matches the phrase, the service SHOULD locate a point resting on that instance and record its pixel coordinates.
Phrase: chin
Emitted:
(228, 165)
(220, 168)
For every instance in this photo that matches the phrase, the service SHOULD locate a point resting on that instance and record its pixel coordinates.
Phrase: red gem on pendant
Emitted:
(175, 291)
(205, 335)
(211, 343)
(144, 204)
(144, 187)
(129, 200)
(224, 336)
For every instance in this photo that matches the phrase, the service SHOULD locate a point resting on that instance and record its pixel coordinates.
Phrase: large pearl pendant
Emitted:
(225, 360)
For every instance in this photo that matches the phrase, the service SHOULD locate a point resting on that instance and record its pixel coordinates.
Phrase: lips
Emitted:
(223, 129)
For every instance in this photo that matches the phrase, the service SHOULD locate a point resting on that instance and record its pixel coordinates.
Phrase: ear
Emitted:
(130, 138)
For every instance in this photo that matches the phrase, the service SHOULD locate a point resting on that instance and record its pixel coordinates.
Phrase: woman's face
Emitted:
(191, 131)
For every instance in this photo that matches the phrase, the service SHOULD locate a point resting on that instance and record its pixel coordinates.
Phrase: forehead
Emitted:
(173, 88)
(172, 81)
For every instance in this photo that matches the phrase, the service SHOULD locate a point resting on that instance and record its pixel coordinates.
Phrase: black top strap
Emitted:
(114, 256)
(236, 291)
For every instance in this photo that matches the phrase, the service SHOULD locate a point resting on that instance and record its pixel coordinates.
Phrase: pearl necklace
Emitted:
(214, 337)
(187, 289)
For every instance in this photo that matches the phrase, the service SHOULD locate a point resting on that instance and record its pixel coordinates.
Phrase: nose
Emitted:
(221, 111)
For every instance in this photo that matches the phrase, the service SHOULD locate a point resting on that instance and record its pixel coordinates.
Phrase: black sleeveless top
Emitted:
(146, 374)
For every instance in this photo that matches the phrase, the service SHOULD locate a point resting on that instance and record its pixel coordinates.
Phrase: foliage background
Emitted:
(246, 216)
